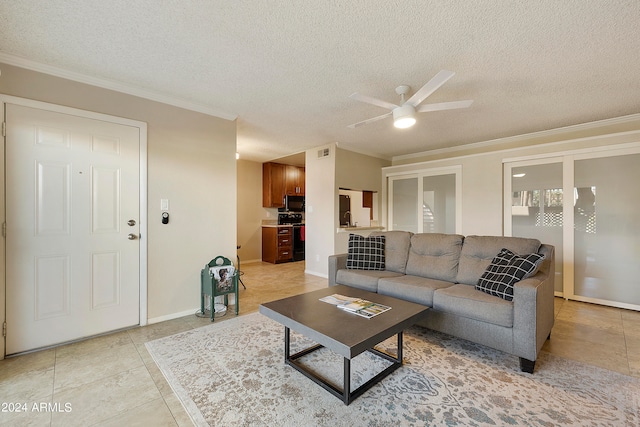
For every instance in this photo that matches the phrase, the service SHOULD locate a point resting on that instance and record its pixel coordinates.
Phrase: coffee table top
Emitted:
(345, 333)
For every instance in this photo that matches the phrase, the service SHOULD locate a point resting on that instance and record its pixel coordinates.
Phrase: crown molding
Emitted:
(112, 85)
(521, 138)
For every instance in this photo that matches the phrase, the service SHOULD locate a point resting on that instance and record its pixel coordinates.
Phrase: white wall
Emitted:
(321, 197)
(191, 162)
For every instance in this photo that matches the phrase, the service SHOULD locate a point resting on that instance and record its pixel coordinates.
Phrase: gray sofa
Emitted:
(441, 271)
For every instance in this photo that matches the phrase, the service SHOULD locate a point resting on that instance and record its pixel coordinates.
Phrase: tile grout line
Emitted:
(175, 416)
(162, 396)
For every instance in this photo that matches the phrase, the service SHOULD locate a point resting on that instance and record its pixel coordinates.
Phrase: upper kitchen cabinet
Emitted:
(294, 181)
(279, 180)
(273, 185)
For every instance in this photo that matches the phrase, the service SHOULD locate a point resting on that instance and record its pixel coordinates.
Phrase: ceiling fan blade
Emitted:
(364, 122)
(431, 86)
(374, 101)
(444, 106)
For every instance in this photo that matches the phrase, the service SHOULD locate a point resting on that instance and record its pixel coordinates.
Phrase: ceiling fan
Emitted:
(404, 114)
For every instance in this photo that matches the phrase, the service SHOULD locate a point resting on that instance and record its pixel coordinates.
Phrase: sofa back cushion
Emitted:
(478, 251)
(435, 256)
(396, 249)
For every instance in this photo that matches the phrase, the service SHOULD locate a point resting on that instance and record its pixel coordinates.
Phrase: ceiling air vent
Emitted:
(323, 153)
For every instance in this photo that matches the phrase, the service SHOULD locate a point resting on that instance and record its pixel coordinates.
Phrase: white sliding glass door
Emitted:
(403, 204)
(426, 202)
(439, 203)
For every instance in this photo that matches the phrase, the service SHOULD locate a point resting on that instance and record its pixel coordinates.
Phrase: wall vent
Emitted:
(323, 153)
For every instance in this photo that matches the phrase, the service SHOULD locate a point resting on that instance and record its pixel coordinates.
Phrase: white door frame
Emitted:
(143, 194)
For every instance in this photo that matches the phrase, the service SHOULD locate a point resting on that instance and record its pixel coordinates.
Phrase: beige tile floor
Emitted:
(111, 380)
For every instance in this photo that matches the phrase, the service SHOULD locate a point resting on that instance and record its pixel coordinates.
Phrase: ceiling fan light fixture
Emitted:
(404, 116)
(404, 113)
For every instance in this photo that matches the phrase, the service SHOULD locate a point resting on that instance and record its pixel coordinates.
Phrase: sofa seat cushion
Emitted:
(411, 288)
(435, 256)
(478, 251)
(363, 279)
(466, 301)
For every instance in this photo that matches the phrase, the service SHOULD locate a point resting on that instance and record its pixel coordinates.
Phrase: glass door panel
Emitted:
(439, 204)
(404, 204)
(537, 207)
(606, 206)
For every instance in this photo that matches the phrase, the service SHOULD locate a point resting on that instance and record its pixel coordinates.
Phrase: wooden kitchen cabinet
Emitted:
(279, 180)
(273, 185)
(367, 201)
(294, 180)
(277, 244)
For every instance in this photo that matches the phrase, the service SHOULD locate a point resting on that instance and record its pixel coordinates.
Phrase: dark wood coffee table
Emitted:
(347, 334)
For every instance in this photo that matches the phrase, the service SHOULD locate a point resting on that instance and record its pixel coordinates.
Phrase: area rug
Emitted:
(232, 373)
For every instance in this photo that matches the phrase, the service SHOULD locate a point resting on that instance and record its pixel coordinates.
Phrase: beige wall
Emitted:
(358, 171)
(250, 210)
(191, 162)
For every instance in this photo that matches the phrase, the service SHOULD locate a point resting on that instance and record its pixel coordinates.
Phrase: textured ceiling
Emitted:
(286, 69)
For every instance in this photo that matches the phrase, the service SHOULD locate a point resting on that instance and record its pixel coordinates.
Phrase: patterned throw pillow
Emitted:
(506, 269)
(365, 253)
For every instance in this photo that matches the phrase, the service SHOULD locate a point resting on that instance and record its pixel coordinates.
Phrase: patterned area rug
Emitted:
(232, 373)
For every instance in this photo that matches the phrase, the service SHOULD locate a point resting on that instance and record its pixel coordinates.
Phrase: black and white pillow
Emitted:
(365, 253)
(505, 269)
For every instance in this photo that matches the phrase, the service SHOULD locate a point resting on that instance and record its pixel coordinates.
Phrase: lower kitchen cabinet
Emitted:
(277, 244)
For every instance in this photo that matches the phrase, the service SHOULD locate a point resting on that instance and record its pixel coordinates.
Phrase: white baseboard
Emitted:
(315, 273)
(172, 316)
(219, 299)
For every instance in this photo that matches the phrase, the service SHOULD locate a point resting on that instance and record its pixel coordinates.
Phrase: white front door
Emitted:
(73, 218)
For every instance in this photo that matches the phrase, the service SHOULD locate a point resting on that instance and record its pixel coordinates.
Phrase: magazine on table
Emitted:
(358, 306)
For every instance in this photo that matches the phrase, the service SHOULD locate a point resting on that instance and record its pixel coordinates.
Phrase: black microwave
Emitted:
(294, 203)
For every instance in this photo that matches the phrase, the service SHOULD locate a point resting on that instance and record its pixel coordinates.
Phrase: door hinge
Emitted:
(4, 129)
(4, 229)
(4, 329)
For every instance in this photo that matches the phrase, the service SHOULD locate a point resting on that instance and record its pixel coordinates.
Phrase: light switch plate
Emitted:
(164, 204)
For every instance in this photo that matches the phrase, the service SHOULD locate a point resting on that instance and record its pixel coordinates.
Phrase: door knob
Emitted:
(132, 236)
(131, 222)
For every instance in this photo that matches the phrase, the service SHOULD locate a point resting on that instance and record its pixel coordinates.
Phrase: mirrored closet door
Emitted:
(587, 205)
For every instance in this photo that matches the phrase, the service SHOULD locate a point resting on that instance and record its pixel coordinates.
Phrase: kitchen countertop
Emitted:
(274, 223)
(368, 228)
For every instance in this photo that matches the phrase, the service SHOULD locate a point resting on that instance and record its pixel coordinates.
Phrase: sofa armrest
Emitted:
(533, 311)
(336, 262)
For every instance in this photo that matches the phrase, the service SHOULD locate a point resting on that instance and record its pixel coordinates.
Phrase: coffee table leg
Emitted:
(346, 395)
(346, 389)
(287, 344)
